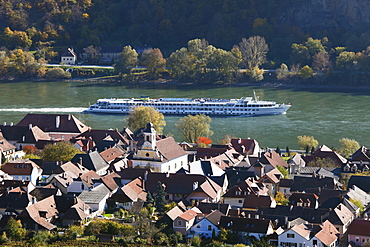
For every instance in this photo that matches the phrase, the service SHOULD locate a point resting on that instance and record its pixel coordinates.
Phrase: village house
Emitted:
(68, 57)
(179, 186)
(358, 232)
(57, 126)
(24, 135)
(323, 235)
(236, 195)
(23, 169)
(207, 226)
(129, 194)
(162, 155)
(185, 221)
(247, 227)
(7, 150)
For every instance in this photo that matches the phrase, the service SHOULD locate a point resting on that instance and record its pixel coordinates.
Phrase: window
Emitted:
(314, 242)
(209, 227)
(179, 223)
(290, 235)
(357, 239)
(240, 201)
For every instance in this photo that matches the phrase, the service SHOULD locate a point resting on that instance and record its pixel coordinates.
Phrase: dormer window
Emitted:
(238, 193)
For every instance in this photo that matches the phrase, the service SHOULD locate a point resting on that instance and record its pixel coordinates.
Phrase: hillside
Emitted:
(169, 25)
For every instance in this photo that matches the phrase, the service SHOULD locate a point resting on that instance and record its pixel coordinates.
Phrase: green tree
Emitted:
(348, 147)
(254, 50)
(126, 60)
(180, 64)
(287, 151)
(14, 229)
(160, 198)
(153, 60)
(192, 127)
(61, 151)
(283, 171)
(306, 72)
(307, 141)
(142, 115)
(345, 60)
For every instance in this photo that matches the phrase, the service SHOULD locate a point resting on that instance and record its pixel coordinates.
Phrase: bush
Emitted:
(57, 73)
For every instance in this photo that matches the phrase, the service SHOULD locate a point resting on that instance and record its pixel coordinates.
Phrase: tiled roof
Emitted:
(88, 177)
(47, 206)
(256, 201)
(273, 158)
(359, 227)
(328, 234)
(245, 146)
(19, 167)
(174, 213)
(207, 208)
(135, 190)
(99, 135)
(214, 217)
(188, 215)
(245, 224)
(112, 181)
(66, 123)
(4, 144)
(41, 193)
(92, 161)
(362, 182)
(112, 153)
(169, 148)
(95, 195)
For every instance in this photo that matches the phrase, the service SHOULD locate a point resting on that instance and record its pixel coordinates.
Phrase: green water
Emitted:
(328, 115)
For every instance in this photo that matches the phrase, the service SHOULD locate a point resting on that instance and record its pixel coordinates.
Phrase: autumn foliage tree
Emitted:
(203, 141)
(153, 60)
(142, 115)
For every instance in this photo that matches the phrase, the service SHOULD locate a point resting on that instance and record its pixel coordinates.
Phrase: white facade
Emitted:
(204, 228)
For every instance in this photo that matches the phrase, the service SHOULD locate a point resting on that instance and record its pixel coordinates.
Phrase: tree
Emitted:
(254, 50)
(203, 141)
(306, 72)
(278, 150)
(93, 53)
(160, 198)
(14, 229)
(23, 64)
(61, 151)
(283, 171)
(281, 199)
(191, 127)
(57, 73)
(287, 151)
(307, 141)
(348, 147)
(358, 203)
(321, 61)
(345, 60)
(153, 60)
(142, 115)
(126, 60)
(282, 73)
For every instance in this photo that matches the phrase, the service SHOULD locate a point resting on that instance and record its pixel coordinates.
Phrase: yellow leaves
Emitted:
(85, 16)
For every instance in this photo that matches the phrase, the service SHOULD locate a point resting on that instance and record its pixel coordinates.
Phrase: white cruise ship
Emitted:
(246, 106)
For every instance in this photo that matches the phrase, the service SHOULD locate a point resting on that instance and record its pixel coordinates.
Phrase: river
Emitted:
(326, 114)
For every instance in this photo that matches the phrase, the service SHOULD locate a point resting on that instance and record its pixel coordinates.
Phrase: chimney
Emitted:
(69, 117)
(257, 216)
(23, 138)
(30, 126)
(239, 140)
(11, 123)
(57, 122)
(4, 123)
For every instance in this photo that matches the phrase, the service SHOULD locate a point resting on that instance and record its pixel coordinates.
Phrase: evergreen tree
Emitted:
(287, 151)
(160, 198)
(278, 150)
